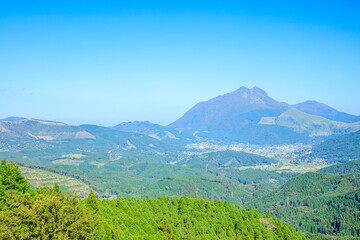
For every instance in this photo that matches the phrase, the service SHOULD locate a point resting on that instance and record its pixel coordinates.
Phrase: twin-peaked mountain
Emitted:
(233, 110)
(235, 117)
(251, 116)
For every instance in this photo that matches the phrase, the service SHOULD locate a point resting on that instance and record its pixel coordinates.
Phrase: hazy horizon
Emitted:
(110, 62)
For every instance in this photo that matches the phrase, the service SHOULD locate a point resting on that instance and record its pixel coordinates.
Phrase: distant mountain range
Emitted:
(245, 115)
(55, 139)
(38, 129)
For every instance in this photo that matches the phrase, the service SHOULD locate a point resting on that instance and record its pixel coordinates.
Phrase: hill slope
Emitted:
(26, 213)
(229, 158)
(340, 149)
(189, 218)
(343, 168)
(37, 135)
(312, 125)
(318, 203)
(157, 131)
(323, 110)
(44, 130)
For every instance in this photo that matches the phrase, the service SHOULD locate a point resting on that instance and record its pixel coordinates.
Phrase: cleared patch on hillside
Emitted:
(38, 177)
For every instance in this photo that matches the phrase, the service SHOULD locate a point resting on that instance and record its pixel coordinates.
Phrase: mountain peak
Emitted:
(246, 92)
(258, 91)
(242, 89)
(242, 106)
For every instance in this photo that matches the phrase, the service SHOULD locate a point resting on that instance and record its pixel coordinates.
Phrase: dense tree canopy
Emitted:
(46, 213)
(324, 205)
(41, 213)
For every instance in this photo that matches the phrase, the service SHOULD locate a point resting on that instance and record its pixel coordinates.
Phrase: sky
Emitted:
(107, 62)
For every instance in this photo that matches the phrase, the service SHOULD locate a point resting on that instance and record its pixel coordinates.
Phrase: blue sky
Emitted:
(105, 62)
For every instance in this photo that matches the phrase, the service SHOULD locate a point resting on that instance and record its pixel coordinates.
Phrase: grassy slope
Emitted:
(315, 126)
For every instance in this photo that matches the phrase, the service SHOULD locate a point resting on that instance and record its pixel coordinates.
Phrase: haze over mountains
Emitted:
(146, 160)
(251, 116)
(323, 110)
(245, 115)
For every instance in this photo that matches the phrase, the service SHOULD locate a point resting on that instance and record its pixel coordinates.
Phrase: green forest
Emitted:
(48, 213)
(324, 205)
(339, 149)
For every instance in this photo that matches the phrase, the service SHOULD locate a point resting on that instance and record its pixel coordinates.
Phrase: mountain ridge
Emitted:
(323, 110)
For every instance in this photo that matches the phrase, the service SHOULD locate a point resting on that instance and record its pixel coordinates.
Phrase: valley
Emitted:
(255, 152)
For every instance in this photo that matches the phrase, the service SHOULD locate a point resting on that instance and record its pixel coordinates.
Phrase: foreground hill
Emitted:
(321, 204)
(129, 178)
(47, 213)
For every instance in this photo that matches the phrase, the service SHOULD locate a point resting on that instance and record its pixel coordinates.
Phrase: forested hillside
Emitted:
(343, 168)
(322, 204)
(340, 149)
(46, 213)
(127, 178)
(233, 159)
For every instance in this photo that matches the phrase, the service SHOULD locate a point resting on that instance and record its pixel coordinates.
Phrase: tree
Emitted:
(11, 178)
(91, 201)
(57, 188)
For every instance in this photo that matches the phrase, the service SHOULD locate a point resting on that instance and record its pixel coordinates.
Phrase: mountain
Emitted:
(312, 125)
(356, 119)
(157, 131)
(51, 143)
(144, 127)
(339, 149)
(229, 108)
(11, 119)
(38, 129)
(324, 205)
(323, 110)
(251, 116)
(235, 116)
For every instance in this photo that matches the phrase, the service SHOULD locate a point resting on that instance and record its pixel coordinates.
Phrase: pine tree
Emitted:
(91, 201)
(57, 188)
